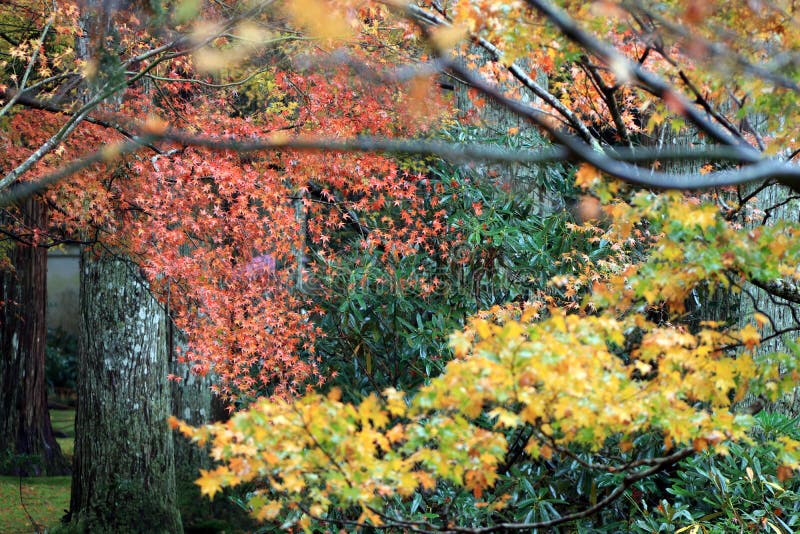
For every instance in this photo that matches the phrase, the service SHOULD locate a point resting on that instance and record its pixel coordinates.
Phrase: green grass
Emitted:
(64, 421)
(45, 498)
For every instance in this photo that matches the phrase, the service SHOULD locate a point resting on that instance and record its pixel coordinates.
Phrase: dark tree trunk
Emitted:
(25, 430)
(191, 402)
(123, 474)
(195, 403)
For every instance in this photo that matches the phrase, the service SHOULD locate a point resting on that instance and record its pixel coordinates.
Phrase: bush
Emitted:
(61, 359)
(736, 492)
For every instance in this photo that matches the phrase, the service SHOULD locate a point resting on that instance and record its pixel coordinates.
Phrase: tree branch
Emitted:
(457, 153)
(516, 71)
(619, 62)
(761, 169)
(785, 289)
(659, 464)
(29, 68)
(20, 98)
(627, 482)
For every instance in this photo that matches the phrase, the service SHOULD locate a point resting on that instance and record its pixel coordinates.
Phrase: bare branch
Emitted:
(717, 50)
(517, 72)
(761, 169)
(452, 152)
(652, 82)
(785, 289)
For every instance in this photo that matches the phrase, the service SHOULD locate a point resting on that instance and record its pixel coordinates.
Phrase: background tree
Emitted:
(26, 428)
(29, 444)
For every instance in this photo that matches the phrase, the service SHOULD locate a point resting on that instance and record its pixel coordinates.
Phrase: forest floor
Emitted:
(45, 498)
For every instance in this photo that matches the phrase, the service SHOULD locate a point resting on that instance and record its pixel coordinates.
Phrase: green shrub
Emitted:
(739, 492)
(61, 359)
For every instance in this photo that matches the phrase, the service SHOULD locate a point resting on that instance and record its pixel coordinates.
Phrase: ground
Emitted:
(45, 498)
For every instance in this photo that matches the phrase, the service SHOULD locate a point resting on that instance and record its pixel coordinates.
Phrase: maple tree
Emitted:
(263, 169)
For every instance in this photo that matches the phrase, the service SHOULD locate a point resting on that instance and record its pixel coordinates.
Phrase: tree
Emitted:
(26, 430)
(124, 481)
(530, 382)
(26, 427)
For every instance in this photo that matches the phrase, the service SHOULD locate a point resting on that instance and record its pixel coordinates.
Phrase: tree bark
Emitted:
(25, 428)
(778, 204)
(494, 122)
(191, 402)
(124, 471)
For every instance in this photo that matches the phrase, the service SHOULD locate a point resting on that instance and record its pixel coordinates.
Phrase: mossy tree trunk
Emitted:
(26, 434)
(192, 403)
(124, 472)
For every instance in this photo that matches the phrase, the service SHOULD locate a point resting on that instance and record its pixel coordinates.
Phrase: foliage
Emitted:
(591, 350)
(559, 376)
(61, 359)
(724, 494)
(394, 322)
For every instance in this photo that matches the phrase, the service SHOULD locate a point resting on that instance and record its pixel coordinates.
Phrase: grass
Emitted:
(64, 422)
(45, 498)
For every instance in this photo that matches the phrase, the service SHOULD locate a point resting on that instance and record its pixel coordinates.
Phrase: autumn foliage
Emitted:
(559, 374)
(240, 224)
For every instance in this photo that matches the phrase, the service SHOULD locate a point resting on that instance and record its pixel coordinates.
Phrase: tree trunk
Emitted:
(494, 122)
(777, 205)
(124, 472)
(192, 403)
(25, 429)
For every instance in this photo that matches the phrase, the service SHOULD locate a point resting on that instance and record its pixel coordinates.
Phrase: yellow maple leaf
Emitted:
(209, 483)
(293, 483)
(395, 434)
(505, 419)
(395, 401)
(369, 515)
(269, 511)
(370, 409)
(586, 176)
(750, 336)
(425, 480)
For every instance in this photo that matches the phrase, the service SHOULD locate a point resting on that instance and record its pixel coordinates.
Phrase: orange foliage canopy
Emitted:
(223, 236)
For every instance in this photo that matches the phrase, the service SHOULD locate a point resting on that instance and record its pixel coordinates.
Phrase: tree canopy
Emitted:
(581, 179)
